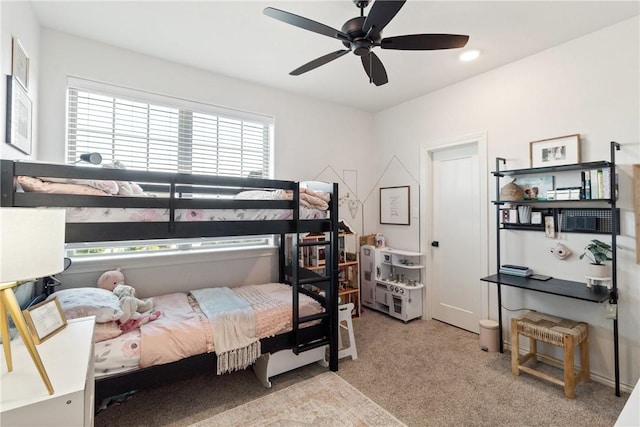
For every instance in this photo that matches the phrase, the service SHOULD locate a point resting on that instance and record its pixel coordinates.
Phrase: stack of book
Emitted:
(596, 184)
(516, 270)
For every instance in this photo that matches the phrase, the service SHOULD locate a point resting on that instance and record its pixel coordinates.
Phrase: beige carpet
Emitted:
(324, 400)
(424, 372)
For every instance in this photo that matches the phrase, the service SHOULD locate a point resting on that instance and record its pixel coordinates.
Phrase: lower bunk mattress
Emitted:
(186, 326)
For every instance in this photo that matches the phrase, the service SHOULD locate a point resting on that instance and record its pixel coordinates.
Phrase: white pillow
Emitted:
(83, 302)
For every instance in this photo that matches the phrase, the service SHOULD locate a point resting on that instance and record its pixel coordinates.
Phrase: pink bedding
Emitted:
(181, 331)
(30, 183)
(308, 198)
(313, 204)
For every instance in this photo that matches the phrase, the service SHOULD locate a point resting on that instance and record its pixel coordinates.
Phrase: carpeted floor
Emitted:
(425, 373)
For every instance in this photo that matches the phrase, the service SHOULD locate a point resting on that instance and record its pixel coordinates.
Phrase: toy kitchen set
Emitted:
(391, 281)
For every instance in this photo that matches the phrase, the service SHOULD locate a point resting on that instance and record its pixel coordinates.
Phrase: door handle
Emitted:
(435, 244)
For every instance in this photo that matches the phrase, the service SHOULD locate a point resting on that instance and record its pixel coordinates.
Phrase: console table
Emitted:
(609, 227)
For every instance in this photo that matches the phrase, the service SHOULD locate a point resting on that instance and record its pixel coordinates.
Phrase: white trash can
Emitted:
(489, 337)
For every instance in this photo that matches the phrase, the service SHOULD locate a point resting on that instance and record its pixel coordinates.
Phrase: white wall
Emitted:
(19, 20)
(585, 86)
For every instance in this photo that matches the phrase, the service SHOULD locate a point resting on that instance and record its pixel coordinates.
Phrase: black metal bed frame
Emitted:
(178, 188)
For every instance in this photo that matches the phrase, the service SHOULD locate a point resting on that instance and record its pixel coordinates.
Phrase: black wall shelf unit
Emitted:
(577, 216)
(573, 220)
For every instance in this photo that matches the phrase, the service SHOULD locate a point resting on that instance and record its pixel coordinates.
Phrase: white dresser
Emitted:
(68, 359)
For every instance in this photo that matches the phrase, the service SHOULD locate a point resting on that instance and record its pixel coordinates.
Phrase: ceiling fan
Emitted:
(362, 33)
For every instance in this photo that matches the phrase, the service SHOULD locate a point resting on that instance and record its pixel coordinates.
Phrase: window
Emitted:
(150, 132)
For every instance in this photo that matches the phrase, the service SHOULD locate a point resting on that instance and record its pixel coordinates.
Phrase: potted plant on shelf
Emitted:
(598, 252)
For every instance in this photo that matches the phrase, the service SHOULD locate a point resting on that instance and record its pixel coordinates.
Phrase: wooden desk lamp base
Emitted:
(9, 304)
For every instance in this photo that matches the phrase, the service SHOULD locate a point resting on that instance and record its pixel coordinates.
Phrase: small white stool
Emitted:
(344, 320)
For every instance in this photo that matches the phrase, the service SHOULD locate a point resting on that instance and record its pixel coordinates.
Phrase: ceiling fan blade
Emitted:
(425, 42)
(374, 69)
(319, 61)
(304, 23)
(381, 13)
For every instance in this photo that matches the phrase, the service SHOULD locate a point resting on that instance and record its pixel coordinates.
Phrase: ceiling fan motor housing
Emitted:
(359, 44)
(361, 4)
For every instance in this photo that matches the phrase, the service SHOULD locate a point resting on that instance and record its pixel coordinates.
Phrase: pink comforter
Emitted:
(183, 330)
(179, 332)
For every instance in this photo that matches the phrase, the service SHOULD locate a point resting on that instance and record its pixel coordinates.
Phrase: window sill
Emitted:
(89, 264)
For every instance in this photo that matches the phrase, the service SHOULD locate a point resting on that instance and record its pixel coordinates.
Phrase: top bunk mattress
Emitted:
(105, 204)
(313, 203)
(91, 215)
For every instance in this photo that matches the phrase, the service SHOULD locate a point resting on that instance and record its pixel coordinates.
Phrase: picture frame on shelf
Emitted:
(549, 227)
(562, 150)
(19, 116)
(536, 217)
(395, 205)
(45, 319)
(20, 64)
(535, 187)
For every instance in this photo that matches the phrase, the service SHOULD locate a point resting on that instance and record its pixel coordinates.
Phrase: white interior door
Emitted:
(457, 246)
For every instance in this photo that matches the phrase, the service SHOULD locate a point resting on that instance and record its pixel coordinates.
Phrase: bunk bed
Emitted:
(188, 206)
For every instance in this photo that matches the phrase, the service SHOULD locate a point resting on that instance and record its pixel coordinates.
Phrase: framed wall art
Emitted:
(19, 116)
(45, 319)
(564, 150)
(20, 64)
(394, 205)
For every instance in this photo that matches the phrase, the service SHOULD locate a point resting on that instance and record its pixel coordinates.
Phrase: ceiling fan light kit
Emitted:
(362, 33)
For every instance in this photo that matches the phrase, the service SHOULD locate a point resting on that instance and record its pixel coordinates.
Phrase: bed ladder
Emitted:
(327, 283)
(323, 282)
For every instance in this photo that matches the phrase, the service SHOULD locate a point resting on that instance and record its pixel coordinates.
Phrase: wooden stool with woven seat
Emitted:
(555, 331)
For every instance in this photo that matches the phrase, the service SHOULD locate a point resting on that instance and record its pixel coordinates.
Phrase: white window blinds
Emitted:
(159, 133)
(146, 131)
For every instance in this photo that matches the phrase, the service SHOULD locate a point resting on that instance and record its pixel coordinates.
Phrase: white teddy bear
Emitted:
(130, 305)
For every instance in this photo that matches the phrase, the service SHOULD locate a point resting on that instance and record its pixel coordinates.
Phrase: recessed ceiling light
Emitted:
(469, 55)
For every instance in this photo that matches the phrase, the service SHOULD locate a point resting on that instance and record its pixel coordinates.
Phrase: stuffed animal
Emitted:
(110, 279)
(130, 305)
(125, 188)
(132, 324)
(113, 280)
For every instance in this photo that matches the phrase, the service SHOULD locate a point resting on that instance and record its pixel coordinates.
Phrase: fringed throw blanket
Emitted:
(234, 328)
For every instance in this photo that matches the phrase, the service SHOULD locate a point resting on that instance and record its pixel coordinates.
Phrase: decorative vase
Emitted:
(512, 191)
(598, 270)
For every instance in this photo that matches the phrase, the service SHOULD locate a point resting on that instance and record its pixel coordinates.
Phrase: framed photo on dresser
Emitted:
(45, 320)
